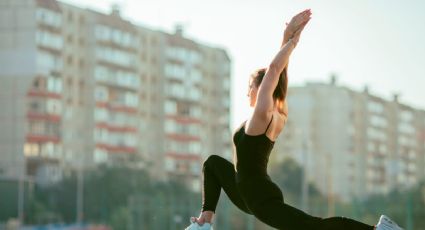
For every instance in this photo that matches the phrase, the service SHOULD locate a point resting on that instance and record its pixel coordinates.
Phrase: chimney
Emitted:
(115, 10)
(333, 79)
(366, 89)
(396, 96)
(178, 30)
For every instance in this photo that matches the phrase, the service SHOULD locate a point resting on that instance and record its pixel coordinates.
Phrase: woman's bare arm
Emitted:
(264, 104)
(288, 33)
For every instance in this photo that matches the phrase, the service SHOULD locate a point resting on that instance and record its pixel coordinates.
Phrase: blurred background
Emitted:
(108, 109)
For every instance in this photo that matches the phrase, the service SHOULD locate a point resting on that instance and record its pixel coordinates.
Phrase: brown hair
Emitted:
(282, 85)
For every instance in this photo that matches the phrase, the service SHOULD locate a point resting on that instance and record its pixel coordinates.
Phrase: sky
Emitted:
(378, 43)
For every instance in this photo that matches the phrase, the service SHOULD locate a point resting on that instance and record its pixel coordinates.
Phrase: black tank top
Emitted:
(252, 153)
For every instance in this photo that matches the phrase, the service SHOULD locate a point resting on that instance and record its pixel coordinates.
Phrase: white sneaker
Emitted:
(385, 223)
(206, 226)
(195, 226)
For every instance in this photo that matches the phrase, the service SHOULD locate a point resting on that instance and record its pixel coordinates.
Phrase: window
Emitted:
(31, 149)
(116, 56)
(378, 121)
(183, 109)
(37, 127)
(194, 57)
(195, 147)
(118, 77)
(406, 115)
(170, 126)
(170, 107)
(101, 135)
(175, 71)
(169, 164)
(47, 39)
(195, 94)
(195, 167)
(120, 37)
(100, 114)
(53, 129)
(196, 185)
(47, 62)
(54, 106)
(101, 93)
(128, 99)
(36, 83)
(375, 107)
(131, 99)
(100, 156)
(175, 90)
(68, 113)
(54, 84)
(35, 106)
(196, 75)
(48, 17)
(48, 149)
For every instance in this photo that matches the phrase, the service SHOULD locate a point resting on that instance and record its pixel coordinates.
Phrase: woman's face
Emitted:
(252, 93)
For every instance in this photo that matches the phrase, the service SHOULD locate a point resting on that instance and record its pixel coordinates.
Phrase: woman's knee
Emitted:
(211, 160)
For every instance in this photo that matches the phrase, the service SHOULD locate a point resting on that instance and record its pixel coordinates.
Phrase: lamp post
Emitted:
(304, 188)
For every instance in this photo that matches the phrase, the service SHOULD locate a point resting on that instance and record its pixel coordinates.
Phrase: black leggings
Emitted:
(263, 199)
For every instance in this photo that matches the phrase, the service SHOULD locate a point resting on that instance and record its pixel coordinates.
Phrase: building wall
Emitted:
(353, 144)
(95, 88)
(17, 49)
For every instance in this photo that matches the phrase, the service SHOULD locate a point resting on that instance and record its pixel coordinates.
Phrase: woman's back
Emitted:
(252, 151)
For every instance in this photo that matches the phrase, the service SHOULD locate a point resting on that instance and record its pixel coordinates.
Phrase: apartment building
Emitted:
(82, 88)
(353, 144)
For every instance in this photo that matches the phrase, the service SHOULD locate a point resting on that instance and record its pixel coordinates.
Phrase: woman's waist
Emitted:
(251, 176)
(251, 168)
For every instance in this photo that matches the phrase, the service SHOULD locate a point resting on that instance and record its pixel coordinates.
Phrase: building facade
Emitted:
(82, 88)
(353, 144)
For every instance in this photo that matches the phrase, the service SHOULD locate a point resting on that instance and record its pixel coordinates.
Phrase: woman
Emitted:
(246, 181)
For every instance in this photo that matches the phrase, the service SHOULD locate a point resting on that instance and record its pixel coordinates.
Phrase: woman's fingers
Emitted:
(299, 17)
(303, 17)
(300, 28)
(296, 22)
(297, 33)
(304, 11)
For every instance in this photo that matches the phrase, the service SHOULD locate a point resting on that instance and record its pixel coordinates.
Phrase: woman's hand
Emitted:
(296, 36)
(295, 24)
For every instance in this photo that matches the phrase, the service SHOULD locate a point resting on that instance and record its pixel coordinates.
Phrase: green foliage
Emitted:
(127, 198)
(9, 192)
(289, 176)
(120, 218)
(405, 206)
(8, 200)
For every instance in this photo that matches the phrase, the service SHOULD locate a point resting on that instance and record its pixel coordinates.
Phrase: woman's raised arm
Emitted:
(265, 101)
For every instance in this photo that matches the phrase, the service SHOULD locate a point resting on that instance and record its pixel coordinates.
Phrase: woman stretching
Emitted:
(246, 182)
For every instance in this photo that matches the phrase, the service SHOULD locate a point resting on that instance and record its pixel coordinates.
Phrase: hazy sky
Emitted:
(379, 43)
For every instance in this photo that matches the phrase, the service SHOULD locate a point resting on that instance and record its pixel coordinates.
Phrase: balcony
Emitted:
(116, 128)
(181, 156)
(116, 148)
(184, 119)
(182, 137)
(114, 106)
(43, 138)
(43, 93)
(45, 117)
